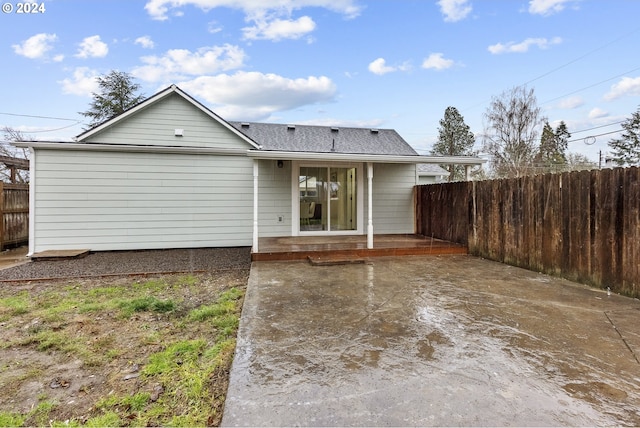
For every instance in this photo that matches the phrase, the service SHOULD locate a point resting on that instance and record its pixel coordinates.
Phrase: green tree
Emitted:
(511, 132)
(117, 93)
(626, 149)
(551, 155)
(454, 139)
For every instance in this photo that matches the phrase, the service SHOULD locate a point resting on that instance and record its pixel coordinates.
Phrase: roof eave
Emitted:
(356, 157)
(102, 147)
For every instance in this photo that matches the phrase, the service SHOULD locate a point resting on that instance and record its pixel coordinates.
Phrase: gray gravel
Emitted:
(133, 262)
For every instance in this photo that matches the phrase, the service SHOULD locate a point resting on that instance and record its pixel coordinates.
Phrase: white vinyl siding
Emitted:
(122, 201)
(156, 125)
(274, 198)
(393, 205)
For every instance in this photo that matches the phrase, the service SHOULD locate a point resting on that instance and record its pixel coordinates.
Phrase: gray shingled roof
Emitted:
(431, 169)
(322, 139)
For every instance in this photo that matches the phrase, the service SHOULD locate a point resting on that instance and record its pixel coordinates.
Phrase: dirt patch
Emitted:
(119, 350)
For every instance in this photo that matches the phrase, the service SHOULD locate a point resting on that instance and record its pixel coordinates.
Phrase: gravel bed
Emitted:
(133, 262)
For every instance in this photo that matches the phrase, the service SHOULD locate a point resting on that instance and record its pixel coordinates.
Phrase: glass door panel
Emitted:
(312, 186)
(328, 199)
(342, 199)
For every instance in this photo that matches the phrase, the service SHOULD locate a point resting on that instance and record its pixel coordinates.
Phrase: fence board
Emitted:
(14, 212)
(584, 226)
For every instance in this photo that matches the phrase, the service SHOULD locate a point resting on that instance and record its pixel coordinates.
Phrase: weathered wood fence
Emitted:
(14, 211)
(583, 225)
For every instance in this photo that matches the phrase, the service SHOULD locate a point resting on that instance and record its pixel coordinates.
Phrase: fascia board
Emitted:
(41, 145)
(349, 157)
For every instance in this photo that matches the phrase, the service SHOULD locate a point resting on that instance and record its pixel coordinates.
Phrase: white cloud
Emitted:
(512, 47)
(255, 96)
(571, 103)
(279, 29)
(437, 62)
(36, 47)
(380, 67)
(92, 47)
(213, 27)
(597, 113)
(159, 9)
(454, 10)
(547, 7)
(626, 86)
(270, 19)
(145, 41)
(83, 82)
(178, 64)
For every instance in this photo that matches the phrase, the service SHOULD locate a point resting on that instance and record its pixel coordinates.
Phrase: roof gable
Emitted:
(159, 119)
(325, 139)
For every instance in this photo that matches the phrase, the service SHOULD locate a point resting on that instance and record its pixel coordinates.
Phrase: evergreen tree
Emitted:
(454, 139)
(117, 93)
(553, 145)
(626, 149)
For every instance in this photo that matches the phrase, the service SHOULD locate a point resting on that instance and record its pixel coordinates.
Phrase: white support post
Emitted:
(370, 205)
(255, 206)
(467, 172)
(32, 201)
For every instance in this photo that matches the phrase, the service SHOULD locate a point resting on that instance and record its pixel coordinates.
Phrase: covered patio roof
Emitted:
(373, 158)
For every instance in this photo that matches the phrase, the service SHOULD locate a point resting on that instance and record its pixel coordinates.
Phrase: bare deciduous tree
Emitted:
(579, 162)
(6, 149)
(511, 131)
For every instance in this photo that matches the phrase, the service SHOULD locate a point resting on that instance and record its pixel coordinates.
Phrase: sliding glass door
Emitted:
(328, 198)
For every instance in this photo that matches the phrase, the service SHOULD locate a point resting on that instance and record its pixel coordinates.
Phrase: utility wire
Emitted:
(596, 127)
(572, 62)
(39, 117)
(594, 136)
(580, 57)
(56, 129)
(591, 86)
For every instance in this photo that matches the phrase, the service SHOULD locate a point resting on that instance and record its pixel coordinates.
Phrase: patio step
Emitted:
(49, 255)
(334, 261)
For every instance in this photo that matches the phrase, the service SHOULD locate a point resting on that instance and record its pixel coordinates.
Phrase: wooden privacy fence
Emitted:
(583, 225)
(14, 210)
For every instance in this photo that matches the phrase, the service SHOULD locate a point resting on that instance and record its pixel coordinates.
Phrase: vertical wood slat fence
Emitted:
(14, 211)
(583, 225)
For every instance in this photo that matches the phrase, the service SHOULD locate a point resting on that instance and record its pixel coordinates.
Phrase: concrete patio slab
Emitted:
(431, 341)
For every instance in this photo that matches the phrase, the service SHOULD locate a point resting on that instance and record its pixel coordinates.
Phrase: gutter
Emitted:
(254, 154)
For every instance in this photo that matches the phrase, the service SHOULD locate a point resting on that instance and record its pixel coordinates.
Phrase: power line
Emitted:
(596, 127)
(571, 62)
(590, 86)
(594, 136)
(56, 129)
(39, 117)
(580, 57)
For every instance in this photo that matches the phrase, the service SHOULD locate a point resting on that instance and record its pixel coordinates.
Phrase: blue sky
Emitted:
(379, 63)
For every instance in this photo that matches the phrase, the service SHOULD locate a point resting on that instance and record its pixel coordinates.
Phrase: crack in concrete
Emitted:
(635, 357)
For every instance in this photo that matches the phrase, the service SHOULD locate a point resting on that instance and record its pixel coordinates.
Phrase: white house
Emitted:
(170, 173)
